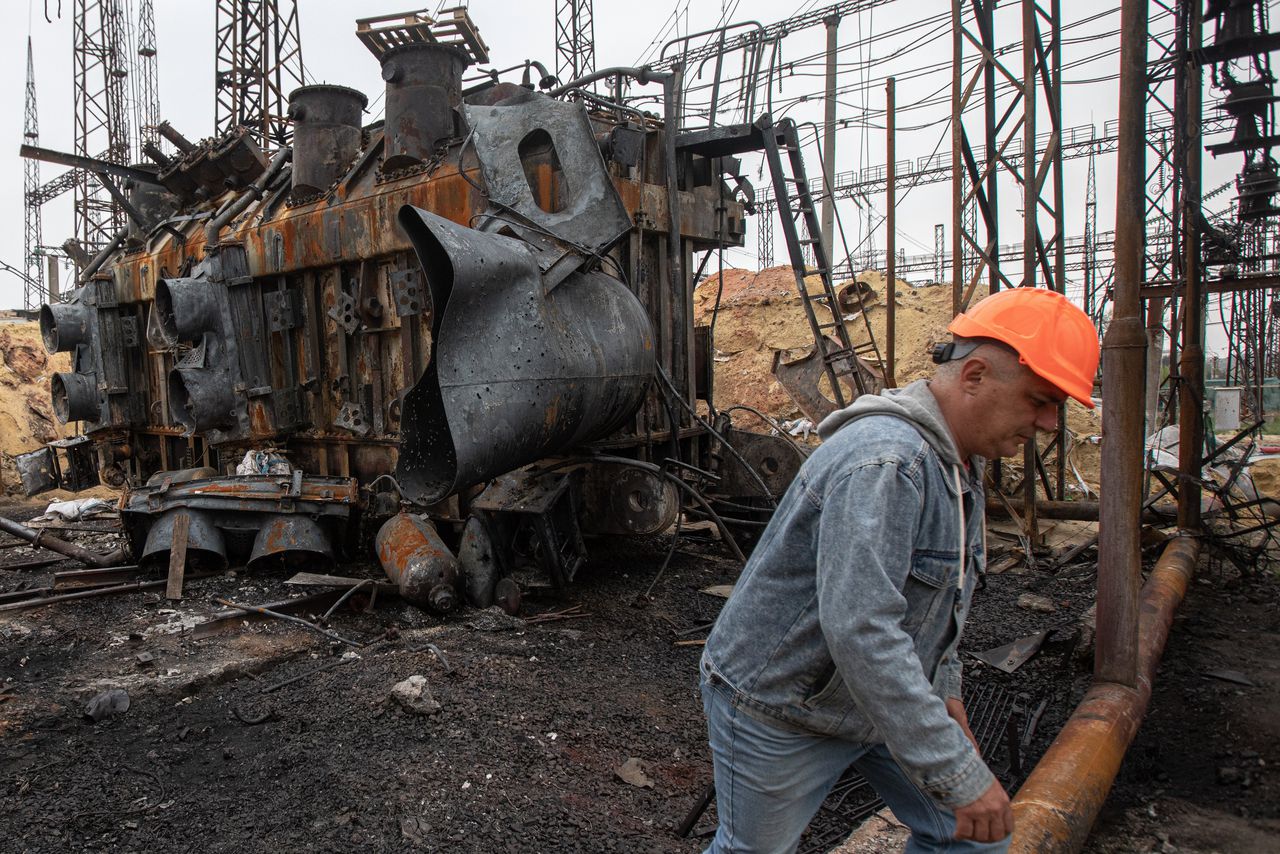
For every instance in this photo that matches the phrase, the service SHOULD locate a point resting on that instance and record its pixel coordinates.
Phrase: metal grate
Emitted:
(1002, 722)
(382, 33)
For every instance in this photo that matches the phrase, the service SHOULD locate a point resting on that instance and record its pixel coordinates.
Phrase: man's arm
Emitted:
(990, 817)
(866, 536)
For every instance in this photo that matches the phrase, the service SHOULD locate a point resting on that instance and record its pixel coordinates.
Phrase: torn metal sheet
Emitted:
(802, 379)
(547, 372)
(1011, 656)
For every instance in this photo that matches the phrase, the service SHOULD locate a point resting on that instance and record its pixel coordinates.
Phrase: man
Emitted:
(839, 644)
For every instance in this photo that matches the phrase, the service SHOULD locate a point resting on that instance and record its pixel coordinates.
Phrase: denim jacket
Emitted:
(846, 619)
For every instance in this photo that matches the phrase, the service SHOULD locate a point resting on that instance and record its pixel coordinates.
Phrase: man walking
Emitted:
(839, 644)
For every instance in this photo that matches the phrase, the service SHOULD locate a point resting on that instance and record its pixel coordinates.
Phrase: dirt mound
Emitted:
(760, 315)
(26, 414)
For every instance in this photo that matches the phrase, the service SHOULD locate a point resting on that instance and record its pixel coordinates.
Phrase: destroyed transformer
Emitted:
(473, 318)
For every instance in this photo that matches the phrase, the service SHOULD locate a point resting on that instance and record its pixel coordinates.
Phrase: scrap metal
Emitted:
(433, 313)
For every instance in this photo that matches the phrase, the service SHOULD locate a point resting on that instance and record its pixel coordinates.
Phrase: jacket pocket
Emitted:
(931, 575)
(828, 683)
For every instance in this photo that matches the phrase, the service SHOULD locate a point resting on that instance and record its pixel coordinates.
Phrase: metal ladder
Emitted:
(840, 357)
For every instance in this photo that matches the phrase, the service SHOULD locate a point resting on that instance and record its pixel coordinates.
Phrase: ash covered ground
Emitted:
(536, 719)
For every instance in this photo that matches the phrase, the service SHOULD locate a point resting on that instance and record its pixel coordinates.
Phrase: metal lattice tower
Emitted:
(939, 252)
(146, 95)
(1007, 128)
(101, 112)
(258, 63)
(1092, 298)
(575, 40)
(33, 289)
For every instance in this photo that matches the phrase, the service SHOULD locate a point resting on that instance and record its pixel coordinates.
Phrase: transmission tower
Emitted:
(101, 112)
(33, 284)
(575, 40)
(258, 63)
(146, 95)
(1093, 299)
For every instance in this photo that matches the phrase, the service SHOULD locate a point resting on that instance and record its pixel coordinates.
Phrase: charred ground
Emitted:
(536, 718)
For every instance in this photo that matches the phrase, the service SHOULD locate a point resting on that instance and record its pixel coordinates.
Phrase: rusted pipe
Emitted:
(240, 203)
(102, 256)
(45, 540)
(1057, 805)
(1082, 511)
(1123, 372)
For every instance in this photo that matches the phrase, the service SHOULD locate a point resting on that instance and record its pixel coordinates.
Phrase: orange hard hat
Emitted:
(1053, 337)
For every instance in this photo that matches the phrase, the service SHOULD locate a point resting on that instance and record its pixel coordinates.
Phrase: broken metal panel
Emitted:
(514, 141)
(531, 519)
(773, 459)
(803, 379)
(542, 371)
(63, 464)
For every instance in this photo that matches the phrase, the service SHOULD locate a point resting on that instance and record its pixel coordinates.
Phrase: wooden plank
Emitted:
(315, 579)
(177, 556)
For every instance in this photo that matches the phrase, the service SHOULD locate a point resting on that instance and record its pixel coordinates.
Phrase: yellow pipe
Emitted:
(1057, 805)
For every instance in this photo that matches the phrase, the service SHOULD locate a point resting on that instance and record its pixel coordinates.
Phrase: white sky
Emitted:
(624, 33)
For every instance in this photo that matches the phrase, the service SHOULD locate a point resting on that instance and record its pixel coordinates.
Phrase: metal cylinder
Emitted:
(75, 397)
(414, 557)
(63, 326)
(206, 550)
(424, 86)
(326, 134)
(186, 309)
(201, 398)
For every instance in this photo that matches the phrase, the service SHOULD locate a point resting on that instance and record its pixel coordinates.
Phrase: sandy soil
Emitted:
(26, 415)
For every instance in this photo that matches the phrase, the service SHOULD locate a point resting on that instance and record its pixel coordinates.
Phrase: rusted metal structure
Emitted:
(479, 310)
(258, 58)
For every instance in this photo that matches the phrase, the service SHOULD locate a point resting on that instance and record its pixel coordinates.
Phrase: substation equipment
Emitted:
(473, 320)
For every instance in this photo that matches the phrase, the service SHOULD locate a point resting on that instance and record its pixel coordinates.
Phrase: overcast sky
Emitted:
(625, 34)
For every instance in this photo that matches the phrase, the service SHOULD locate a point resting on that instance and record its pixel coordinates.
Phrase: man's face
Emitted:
(1010, 404)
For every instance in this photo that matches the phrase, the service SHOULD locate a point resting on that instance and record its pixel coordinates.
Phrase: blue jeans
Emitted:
(770, 782)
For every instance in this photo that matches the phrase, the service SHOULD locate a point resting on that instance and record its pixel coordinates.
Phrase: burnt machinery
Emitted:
(477, 312)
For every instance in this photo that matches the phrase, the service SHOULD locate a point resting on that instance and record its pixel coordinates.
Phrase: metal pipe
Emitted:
(240, 203)
(89, 164)
(675, 243)
(102, 256)
(1059, 802)
(1191, 391)
(832, 23)
(1030, 233)
(45, 540)
(1083, 511)
(1123, 353)
(642, 75)
(890, 240)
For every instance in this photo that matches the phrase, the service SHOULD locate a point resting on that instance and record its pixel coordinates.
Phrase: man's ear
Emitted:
(972, 373)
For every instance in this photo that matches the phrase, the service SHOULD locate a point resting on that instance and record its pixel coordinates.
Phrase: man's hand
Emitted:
(955, 708)
(988, 819)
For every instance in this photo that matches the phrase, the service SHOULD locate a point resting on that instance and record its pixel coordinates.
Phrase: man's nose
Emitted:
(1047, 417)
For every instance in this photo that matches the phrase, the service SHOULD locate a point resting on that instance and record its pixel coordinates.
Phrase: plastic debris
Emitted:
(108, 704)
